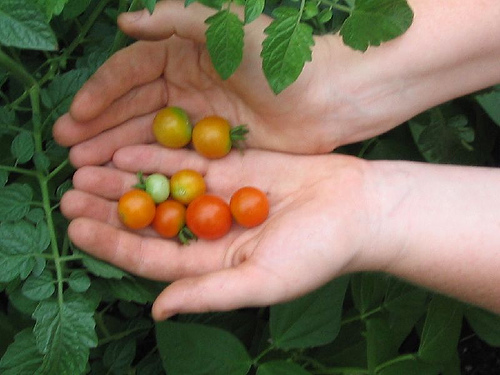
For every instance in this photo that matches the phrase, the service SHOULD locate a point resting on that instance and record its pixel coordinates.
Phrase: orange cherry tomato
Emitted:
(186, 185)
(249, 206)
(172, 128)
(208, 217)
(136, 209)
(170, 218)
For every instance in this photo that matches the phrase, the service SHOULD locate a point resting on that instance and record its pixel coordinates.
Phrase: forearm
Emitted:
(440, 228)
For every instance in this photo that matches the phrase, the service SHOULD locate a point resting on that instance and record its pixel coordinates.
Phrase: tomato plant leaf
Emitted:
(74, 8)
(15, 200)
(19, 247)
(407, 365)
(23, 26)
(65, 333)
(23, 147)
(79, 281)
(40, 287)
(100, 268)
(490, 102)
(149, 5)
(368, 290)
(59, 93)
(311, 320)
(119, 355)
(380, 343)
(22, 356)
(51, 7)
(129, 289)
(253, 9)
(286, 48)
(375, 21)
(281, 368)
(225, 42)
(196, 349)
(443, 137)
(441, 330)
(485, 324)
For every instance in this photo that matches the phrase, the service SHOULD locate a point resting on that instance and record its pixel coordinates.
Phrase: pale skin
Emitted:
(433, 225)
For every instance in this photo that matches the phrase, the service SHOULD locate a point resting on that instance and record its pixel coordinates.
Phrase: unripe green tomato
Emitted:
(158, 187)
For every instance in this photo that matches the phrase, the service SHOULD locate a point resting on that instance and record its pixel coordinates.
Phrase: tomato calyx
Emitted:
(185, 236)
(142, 182)
(238, 135)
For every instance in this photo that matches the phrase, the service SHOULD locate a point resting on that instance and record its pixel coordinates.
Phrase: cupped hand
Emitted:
(333, 102)
(319, 222)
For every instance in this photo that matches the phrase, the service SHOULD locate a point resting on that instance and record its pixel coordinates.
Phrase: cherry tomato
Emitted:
(186, 185)
(213, 136)
(249, 206)
(172, 128)
(208, 217)
(170, 218)
(158, 186)
(136, 209)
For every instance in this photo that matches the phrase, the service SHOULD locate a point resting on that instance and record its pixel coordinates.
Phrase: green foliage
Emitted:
(64, 312)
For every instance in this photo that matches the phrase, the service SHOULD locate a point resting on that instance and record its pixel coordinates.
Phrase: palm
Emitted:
(266, 264)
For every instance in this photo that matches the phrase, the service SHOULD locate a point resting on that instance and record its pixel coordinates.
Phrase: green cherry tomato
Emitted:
(172, 128)
(158, 186)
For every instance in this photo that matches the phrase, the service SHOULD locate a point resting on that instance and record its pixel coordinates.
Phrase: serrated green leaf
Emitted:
(311, 320)
(65, 333)
(22, 356)
(23, 147)
(22, 25)
(375, 21)
(40, 287)
(286, 49)
(79, 281)
(42, 162)
(253, 9)
(441, 331)
(19, 246)
(15, 200)
(196, 349)
(225, 42)
(36, 215)
(485, 324)
(490, 101)
(281, 368)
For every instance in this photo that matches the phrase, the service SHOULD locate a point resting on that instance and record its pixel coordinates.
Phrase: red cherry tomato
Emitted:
(208, 217)
(136, 209)
(249, 206)
(170, 218)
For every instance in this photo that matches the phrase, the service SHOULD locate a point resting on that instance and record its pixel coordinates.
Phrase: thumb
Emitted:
(229, 289)
(168, 18)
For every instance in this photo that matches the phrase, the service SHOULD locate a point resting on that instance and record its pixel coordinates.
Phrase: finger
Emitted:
(168, 18)
(77, 203)
(155, 158)
(134, 66)
(100, 149)
(148, 257)
(108, 183)
(70, 129)
(228, 289)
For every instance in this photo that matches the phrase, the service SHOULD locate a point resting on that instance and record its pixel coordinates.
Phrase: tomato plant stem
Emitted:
(17, 70)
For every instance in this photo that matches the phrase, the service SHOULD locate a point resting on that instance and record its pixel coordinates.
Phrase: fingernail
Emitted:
(132, 16)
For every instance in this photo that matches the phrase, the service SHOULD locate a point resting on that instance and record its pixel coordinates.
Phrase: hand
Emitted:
(334, 101)
(320, 219)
